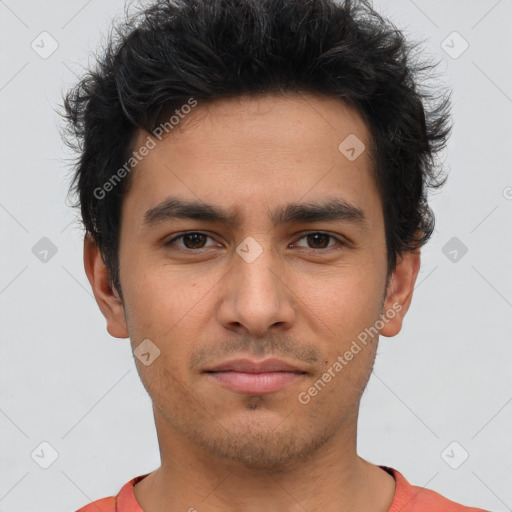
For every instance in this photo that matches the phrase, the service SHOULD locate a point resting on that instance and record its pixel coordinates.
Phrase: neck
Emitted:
(333, 478)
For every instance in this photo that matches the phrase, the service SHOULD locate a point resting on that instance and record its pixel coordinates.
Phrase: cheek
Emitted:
(344, 301)
(169, 308)
(161, 299)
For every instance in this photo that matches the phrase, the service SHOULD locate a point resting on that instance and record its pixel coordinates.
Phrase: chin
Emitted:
(267, 443)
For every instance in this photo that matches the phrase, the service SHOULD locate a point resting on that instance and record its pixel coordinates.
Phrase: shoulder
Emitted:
(124, 501)
(410, 498)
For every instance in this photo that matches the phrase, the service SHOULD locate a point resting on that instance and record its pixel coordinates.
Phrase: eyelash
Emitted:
(341, 242)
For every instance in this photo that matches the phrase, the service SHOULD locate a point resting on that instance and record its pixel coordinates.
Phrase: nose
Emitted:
(256, 296)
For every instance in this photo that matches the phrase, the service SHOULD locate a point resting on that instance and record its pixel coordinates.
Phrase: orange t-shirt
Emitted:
(408, 498)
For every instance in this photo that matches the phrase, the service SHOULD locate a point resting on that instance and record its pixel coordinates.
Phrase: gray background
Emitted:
(64, 381)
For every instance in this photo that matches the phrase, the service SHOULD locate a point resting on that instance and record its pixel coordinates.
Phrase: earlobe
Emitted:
(106, 296)
(399, 292)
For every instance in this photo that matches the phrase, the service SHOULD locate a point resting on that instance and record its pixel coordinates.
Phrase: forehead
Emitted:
(248, 152)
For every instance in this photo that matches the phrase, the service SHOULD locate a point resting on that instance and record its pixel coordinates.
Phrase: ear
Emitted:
(399, 292)
(106, 296)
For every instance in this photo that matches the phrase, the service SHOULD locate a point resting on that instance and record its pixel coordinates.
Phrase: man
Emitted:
(253, 179)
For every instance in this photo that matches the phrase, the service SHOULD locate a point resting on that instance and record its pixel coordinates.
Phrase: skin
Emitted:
(220, 449)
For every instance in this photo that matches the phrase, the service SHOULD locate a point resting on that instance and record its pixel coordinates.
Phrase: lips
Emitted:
(255, 377)
(250, 366)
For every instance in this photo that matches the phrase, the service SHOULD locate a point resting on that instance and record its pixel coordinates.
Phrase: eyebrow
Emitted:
(335, 209)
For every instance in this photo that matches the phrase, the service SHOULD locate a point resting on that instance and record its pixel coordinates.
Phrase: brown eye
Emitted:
(319, 241)
(192, 240)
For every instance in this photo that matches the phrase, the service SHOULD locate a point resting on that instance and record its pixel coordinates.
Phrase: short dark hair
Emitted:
(172, 50)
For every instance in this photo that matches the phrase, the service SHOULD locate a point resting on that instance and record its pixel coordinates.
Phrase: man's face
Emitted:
(296, 291)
